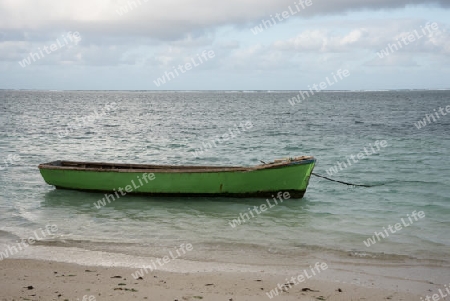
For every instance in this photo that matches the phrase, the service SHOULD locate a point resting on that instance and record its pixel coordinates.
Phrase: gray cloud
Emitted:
(162, 20)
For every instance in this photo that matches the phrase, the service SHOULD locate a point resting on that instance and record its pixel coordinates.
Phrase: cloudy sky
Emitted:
(224, 45)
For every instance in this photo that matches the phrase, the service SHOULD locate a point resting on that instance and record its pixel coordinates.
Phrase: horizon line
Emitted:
(227, 90)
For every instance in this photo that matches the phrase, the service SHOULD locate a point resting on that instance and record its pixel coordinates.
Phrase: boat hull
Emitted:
(209, 181)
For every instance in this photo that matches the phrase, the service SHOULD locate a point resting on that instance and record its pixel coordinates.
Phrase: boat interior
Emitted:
(60, 164)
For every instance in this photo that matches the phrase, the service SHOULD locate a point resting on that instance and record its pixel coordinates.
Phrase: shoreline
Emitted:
(30, 279)
(394, 274)
(359, 276)
(77, 273)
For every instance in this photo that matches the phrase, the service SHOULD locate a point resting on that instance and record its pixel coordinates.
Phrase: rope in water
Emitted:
(360, 185)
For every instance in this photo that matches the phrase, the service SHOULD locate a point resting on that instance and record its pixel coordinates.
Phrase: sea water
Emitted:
(409, 174)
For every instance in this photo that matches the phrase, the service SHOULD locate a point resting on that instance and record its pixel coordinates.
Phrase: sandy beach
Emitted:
(25, 279)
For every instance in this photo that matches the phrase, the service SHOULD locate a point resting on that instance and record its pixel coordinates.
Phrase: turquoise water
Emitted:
(412, 173)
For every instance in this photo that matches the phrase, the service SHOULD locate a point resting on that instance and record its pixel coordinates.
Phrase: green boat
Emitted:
(286, 175)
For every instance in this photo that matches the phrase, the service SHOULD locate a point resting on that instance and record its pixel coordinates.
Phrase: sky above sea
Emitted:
(227, 45)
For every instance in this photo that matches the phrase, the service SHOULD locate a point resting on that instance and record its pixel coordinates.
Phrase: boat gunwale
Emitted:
(141, 168)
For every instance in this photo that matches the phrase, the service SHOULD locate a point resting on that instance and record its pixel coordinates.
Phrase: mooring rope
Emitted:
(360, 185)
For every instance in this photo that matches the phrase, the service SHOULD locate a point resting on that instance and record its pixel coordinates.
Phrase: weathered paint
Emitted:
(258, 181)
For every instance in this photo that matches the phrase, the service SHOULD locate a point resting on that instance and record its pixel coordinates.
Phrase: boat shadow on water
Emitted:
(92, 201)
